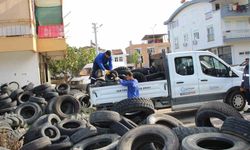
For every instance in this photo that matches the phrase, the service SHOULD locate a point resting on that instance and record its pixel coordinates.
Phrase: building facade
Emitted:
(153, 44)
(222, 27)
(31, 33)
(119, 58)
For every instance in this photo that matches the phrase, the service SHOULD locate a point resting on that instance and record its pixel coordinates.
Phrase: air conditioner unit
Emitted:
(185, 44)
(195, 42)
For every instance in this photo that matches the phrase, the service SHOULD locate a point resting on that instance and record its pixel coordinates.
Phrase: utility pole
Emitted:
(95, 27)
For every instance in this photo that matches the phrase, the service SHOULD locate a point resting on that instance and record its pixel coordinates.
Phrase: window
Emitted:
(217, 6)
(210, 33)
(184, 66)
(151, 50)
(176, 43)
(208, 15)
(185, 43)
(116, 59)
(196, 35)
(120, 59)
(213, 67)
(173, 24)
(138, 50)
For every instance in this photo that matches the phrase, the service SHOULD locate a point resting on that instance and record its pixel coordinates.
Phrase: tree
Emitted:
(74, 61)
(134, 58)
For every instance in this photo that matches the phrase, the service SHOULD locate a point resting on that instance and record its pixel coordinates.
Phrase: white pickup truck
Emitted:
(191, 79)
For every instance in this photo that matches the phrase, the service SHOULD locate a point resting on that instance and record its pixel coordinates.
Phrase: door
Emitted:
(214, 79)
(184, 81)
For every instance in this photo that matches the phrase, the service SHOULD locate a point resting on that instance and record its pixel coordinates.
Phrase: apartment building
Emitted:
(31, 33)
(152, 44)
(220, 26)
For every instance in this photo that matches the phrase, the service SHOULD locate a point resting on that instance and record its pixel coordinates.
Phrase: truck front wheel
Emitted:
(237, 100)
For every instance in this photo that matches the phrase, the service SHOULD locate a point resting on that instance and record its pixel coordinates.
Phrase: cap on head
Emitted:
(108, 52)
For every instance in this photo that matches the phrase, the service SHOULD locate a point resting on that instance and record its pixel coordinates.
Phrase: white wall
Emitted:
(192, 18)
(119, 63)
(22, 67)
(240, 47)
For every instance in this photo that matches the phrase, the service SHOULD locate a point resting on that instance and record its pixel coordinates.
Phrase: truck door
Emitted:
(184, 81)
(214, 79)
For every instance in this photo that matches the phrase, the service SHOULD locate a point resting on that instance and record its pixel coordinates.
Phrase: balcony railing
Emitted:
(231, 10)
(231, 35)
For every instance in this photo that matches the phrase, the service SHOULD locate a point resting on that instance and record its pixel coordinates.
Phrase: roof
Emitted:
(117, 52)
(186, 4)
(151, 36)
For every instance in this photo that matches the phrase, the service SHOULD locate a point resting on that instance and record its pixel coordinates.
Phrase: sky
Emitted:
(122, 21)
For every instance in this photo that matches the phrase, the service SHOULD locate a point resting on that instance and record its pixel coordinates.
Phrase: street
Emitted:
(188, 116)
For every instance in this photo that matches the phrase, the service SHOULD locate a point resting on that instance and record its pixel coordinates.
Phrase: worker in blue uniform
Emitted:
(245, 83)
(103, 62)
(132, 84)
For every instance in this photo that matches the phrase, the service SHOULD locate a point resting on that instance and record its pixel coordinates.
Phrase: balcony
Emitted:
(18, 43)
(231, 10)
(236, 35)
(52, 47)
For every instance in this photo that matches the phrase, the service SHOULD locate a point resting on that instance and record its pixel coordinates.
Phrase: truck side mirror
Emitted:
(230, 72)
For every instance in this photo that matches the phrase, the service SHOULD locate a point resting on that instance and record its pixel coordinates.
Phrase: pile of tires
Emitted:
(44, 120)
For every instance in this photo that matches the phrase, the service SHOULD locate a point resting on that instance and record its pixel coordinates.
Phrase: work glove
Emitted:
(107, 72)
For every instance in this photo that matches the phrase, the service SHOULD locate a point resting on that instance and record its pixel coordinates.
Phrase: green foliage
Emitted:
(74, 61)
(135, 57)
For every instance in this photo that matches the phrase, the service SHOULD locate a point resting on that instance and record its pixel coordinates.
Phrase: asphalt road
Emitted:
(188, 117)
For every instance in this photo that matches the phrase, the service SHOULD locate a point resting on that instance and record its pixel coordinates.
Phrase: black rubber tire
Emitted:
(14, 83)
(66, 105)
(237, 100)
(218, 110)
(38, 100)
(50, 131)
(8, 105)
(63, 89)
(7, 110)
(51, 119)
(85, 101)
(49, 108)
(5, 102)
(28, 87)
(37, 144)
(164, 119)
(155, 76)
(49, 95)
(111, 76)
(183, 132)
(4, 96)
(208, 141)
(4, 125)
(137, 138)
(40, 88)
(63, 143)
(70, 126)
(144, 106)
(121, 70)
(99, 142)
(24, 97)
(128, 123)
(15, 94)
(237, 127)
(119, 128)
(144, 71)
(82, 134)
(139, 76)
(29, 111)
(104, 118)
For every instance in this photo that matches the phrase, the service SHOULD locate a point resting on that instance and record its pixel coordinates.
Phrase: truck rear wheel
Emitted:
(237, 100)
